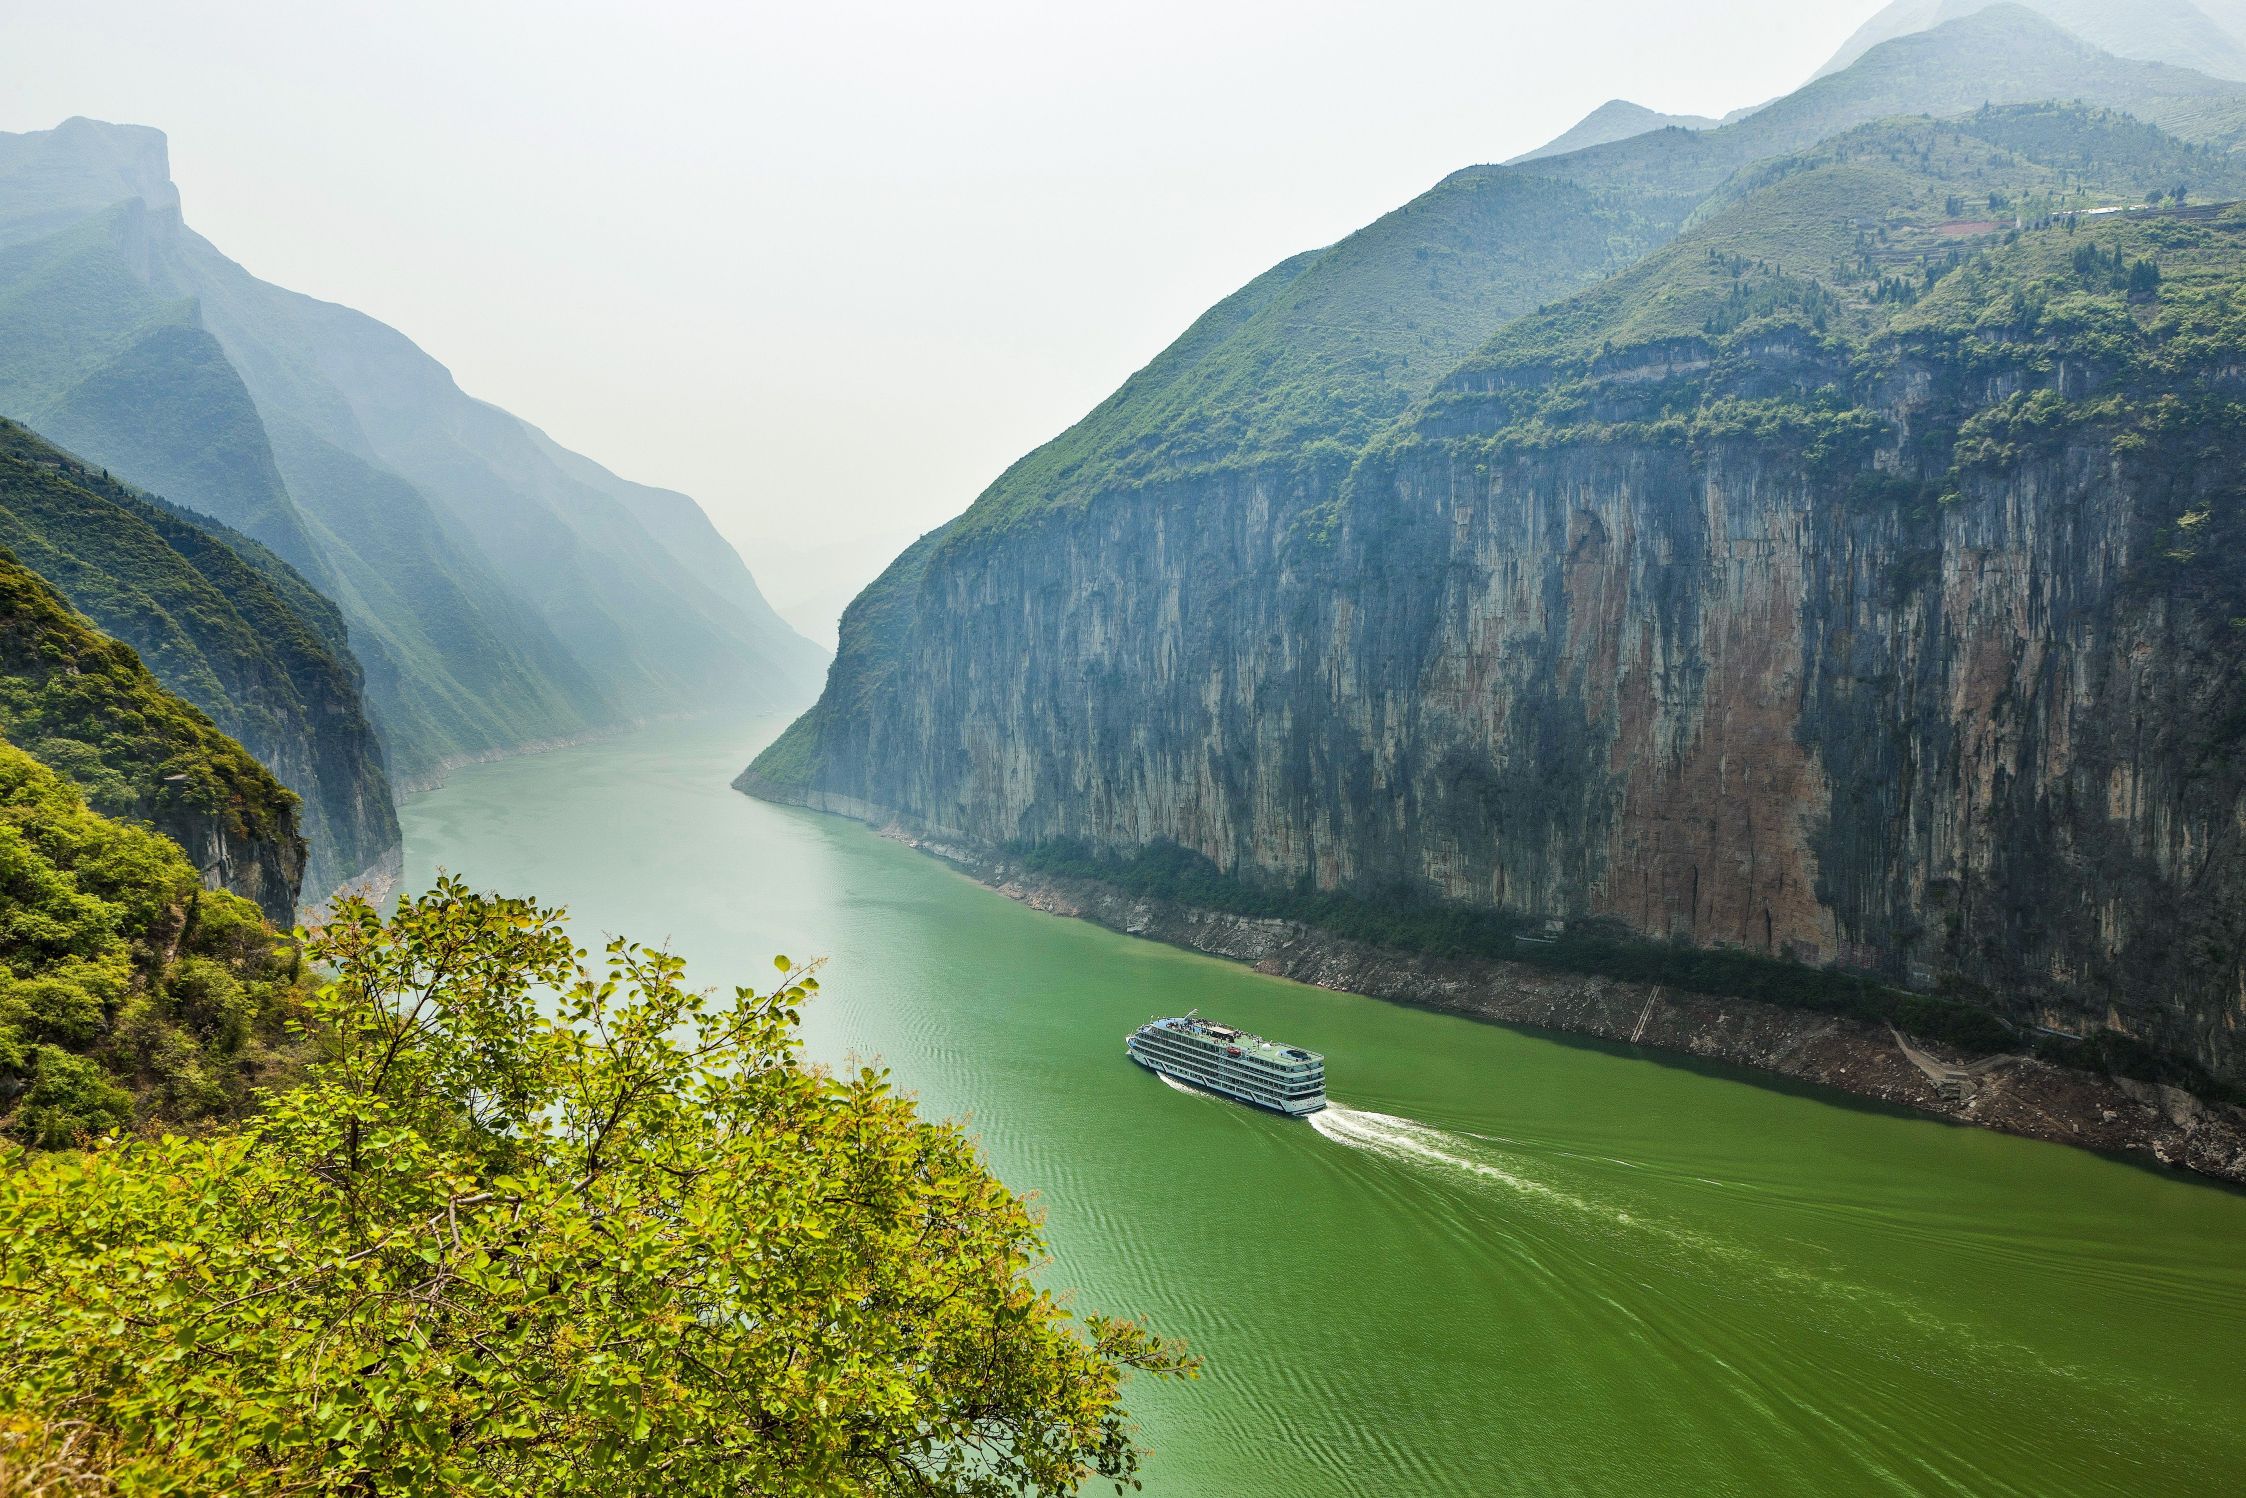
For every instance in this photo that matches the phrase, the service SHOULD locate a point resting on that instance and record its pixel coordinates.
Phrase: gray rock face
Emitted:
(1729, 691)
(267, 872)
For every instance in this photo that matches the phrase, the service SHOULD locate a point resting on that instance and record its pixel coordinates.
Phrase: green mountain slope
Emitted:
(598, 559)
(1841, 239)
(95, 358)
(1330, 345)
(83, 704)
(128, 992)
(92, 357)
(223, 623)
(1288, 379)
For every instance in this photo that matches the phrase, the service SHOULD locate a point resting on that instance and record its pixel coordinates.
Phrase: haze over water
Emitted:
(1500, 1263)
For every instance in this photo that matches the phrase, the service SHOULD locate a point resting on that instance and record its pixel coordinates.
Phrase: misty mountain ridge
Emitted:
(501, 590)
(2177, 32)
(1617, 119)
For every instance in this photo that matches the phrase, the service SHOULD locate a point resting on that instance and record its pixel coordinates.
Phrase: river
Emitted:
(1501, 1263)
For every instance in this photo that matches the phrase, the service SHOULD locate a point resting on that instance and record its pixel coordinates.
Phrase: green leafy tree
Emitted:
(128, 991)
(536, 1224)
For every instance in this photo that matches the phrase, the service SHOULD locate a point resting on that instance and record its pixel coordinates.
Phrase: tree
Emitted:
(533, 1226)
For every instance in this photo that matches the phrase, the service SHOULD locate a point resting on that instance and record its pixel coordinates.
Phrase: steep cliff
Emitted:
(83, 705)
(1842, 588)
(226, 625)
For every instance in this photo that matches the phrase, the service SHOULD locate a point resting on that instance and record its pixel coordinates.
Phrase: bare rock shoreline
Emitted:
(2018, 1095)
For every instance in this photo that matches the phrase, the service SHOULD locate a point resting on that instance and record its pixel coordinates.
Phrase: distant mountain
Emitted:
(226, 625)
(2177, 32)
(500, 590)
(1617, 119)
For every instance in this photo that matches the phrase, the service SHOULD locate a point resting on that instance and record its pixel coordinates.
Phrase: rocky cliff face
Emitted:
(1916, 659)
(263, 868)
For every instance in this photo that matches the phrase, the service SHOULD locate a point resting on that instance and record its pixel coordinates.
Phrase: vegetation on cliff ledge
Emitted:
(1405, 920)
(540, 1224)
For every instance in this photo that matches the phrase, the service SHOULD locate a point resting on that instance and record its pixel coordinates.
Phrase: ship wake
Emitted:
(1413, 1143)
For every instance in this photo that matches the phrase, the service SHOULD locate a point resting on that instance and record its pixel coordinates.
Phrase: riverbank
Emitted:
(2017, 1095)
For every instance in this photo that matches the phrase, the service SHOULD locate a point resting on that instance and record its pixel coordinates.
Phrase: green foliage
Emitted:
(68, 1099)
(1409, 921)
(537, 1224)
(84, 703)
(127, 990)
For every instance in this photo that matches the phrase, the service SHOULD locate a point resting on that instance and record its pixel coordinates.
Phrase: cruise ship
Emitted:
(1231, 1063)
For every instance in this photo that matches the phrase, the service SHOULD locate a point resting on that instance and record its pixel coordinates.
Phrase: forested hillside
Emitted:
(223, 623)
(129, 993)
(83, 704)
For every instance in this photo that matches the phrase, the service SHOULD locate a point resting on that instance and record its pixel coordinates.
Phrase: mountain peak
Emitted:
(1617, 119)
(2176, 32)
(48, 177)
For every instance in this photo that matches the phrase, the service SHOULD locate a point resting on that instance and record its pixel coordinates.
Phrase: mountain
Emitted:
(1328, 346)
(1692, 613)
(499, 589)
(84, 705)
(2207, 37)
(1617, 119)
(223, 623)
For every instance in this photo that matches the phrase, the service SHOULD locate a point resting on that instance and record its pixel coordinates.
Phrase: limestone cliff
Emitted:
(1889, 629)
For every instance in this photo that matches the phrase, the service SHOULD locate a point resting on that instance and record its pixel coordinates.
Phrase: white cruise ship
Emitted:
(1232, 1063)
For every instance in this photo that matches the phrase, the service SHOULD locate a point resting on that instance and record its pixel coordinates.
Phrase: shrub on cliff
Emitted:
(128, 991)
(537, 1225)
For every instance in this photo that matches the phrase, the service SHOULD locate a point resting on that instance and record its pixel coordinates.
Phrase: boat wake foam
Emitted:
(1414, 1143)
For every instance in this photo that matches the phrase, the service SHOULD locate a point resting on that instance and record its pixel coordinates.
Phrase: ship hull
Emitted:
(1302, 1110)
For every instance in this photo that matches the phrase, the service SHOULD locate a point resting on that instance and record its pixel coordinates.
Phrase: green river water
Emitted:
(1500, 1263)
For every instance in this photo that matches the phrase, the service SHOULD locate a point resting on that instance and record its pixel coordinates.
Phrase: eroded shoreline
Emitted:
(2016, 1095)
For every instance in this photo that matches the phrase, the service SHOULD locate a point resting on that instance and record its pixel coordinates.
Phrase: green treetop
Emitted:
(537, 1224)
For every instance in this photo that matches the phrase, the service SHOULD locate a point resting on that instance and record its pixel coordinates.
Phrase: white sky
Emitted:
(829, 267)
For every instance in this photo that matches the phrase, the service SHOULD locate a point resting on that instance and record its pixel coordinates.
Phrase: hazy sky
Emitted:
(829, 267)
